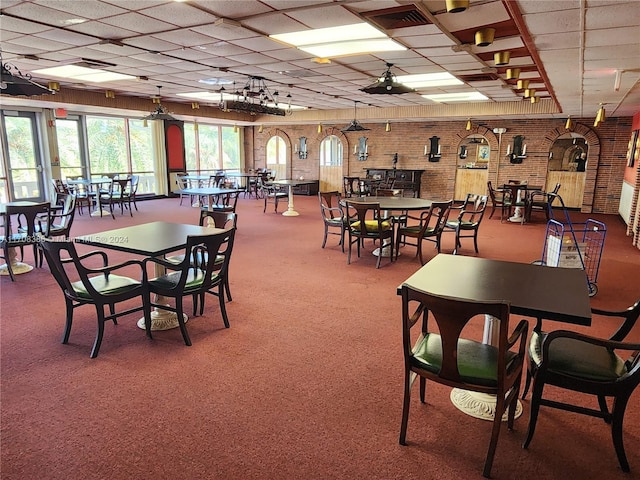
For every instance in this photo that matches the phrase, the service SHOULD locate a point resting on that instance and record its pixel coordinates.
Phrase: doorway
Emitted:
(330, 174)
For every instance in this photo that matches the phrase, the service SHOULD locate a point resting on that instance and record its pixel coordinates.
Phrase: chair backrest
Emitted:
(122, 187)
(62, 221)
(230, 200)
(437, 217)
(217, 180)
(451, 316)
(202, 253)
(365, 219)
(220, 219)
(473, 208)
(181, 181)
(352, 186)
(330, 204)
(59, 186)
(135, 181)
(27, 216)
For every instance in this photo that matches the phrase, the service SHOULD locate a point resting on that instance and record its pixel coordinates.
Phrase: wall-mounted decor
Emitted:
(518, 152)
(301, 148)
(361, 149)
(483, 154)
(463, 152)
(434, 149)
(634, 148)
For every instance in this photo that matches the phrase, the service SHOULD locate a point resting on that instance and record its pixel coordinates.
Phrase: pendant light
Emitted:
(469, 126)
(513, 73)
(600, 116)
(569, 124)
(354, 126)
(387, 127)
(456, 6)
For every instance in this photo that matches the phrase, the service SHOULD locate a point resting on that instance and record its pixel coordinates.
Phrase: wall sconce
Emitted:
(261, 129)
(513, 73)
(361, 149)
(484, 37)
(301, 148)
(519, 152)
(501, 58)
(319, 128)
(469, 126)
(110, 94)
(434, 152)
(387, 127)
(601, 116)
(569, 124)
(463, 152)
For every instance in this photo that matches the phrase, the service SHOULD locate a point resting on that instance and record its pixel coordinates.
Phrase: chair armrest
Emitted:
(630, 316)
(164, 263)
(105, 259)
(612, 345)
(110, 268)
(519, 333)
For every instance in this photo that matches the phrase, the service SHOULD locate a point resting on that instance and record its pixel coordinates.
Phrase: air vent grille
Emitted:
(478, 77)
(398, 17)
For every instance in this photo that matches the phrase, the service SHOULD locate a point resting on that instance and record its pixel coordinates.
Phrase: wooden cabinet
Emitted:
(406, 179)
(470, 180)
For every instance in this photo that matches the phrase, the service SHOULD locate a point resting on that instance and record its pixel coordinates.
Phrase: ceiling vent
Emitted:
(90, 63)
(397, 17)
(478, 77)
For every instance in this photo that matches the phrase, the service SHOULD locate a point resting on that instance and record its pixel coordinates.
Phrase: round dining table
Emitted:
(390, 204)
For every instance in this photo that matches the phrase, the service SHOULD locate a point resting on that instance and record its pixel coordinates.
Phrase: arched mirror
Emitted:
(568, 159)
(473, 156)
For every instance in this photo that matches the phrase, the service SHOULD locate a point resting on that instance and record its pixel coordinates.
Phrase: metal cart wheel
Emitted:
(593, 289)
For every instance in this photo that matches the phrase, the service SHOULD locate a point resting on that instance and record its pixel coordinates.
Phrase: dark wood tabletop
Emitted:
(148, 239)
(393, 203)
(551, 293)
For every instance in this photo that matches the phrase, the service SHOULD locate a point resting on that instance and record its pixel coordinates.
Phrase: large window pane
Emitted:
(230, 148)
(208, 147)
(191, 152)
(107, 145)
(68, 134)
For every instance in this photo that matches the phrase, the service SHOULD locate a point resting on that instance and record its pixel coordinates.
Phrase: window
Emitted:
(331, 152)
(68, 133)
(276, 151)
(107, 140)
(211, 148)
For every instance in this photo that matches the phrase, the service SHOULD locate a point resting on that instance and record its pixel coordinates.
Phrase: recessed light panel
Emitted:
(456, 97)
(83, 74)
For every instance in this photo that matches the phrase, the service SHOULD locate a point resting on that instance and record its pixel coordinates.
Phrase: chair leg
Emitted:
(324, 240)
(619, 406)
(475, 240)
(405, 408)
(527, 381)
(100, 332)
(495, 432)
(183, 326)
(68, 321)
(223, 308)
(536, 396)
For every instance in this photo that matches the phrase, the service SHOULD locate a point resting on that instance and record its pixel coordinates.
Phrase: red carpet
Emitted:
(307, 382)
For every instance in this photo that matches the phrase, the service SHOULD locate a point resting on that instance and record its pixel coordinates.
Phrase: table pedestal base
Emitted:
(290, 213)
(17, 268)
(101, 213)
(162, 320)
(386, 251)
(479, 405)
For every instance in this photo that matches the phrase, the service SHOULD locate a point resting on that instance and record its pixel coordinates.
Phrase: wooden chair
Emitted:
(183, 184)
(540, 201)
(196, 274)
(226, 202)
(135, 182)
(28, 231)
(443, 356)
(368, 223)
(97, 286)
(586, 364)
(223, 220)
(332, 216)
(469, 218)
(430, 225)
(58, 223)
(353, 187)
(122, 194)
(272, 194)
(499, 198)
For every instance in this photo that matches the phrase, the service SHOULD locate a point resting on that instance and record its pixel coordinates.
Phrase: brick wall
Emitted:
(605, 167)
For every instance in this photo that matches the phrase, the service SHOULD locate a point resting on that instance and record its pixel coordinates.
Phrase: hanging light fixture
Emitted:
(535, 99)
(601, 116)
(569, 124)
(261, 129)
(387, 85)
(469, 126)
(255, 98)
(502, 58)
(387, 127)
(484, 37)
(529, 92)
(13, 82)
(195, 106)
(455, 6)
(54, 86)
(160, 113)
(513, 73)
(522, 84)
(354, 126)
(319, 128)
(109, 94)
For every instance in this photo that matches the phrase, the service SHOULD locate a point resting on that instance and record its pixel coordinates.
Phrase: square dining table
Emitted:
(152, 239)
(538, 291)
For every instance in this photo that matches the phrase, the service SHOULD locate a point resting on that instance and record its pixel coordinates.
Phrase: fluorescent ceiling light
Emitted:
(456, 97)
(216, 81)
(339, 41)
(424, 80)
(83, 74)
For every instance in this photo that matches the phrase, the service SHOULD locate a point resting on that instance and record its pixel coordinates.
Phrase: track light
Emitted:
(513, 73)
(523, 84)
(600, 116)
(469, 126)
(195, 106)
(54, 86)
(569, 124)
(109, 94)
(455, 6)
(387, 127)
(501, 58)
(535, 99)
(484, 37)
(529, 92)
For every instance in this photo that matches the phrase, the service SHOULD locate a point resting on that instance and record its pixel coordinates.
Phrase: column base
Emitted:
(479, 405)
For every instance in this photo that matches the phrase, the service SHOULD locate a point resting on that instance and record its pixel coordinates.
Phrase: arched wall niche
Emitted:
(593, 159)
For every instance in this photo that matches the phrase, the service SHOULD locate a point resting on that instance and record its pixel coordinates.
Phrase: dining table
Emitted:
(245, 180)
(17, 267)
(290, 183)
(211, 193)
(152, 239)
(538, 291)
(519, 194)
(390, 204)
(94, 185)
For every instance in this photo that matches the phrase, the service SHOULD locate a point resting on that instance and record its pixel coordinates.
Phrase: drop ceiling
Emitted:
(571, 51)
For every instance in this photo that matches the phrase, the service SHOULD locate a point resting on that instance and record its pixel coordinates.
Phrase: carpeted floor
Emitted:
(306, 384)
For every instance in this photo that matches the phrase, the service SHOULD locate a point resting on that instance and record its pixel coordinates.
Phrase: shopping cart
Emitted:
(573, 245)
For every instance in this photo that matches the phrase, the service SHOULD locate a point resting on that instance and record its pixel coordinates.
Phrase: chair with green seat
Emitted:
(332, 216)
(366, 222)
(428, 226)
(195, 275)
(97, 286)
(439, 353)
(470, 215)
(594, 366)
